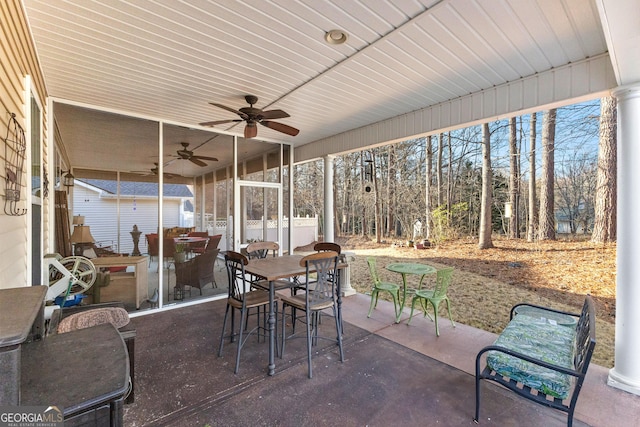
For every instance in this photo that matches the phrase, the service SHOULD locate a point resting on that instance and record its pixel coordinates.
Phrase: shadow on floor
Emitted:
(180, 381)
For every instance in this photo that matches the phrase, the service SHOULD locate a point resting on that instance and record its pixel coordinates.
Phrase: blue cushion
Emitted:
(540, 339)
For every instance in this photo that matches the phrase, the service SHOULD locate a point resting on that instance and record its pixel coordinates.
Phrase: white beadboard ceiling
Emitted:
(167, 59)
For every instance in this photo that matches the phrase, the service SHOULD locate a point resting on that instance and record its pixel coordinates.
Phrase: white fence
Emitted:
(305, 231)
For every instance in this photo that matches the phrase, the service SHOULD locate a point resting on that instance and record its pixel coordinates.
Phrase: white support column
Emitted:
(625, 374)
(328, 199)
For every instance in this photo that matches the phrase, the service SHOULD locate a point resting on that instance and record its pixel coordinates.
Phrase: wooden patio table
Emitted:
(272, 269)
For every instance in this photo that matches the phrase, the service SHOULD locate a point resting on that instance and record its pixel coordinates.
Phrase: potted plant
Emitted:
(180, 255)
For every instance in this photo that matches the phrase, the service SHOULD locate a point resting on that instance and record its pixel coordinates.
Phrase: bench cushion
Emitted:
(540, 339)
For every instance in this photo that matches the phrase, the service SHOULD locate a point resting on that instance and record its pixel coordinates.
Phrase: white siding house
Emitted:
(97, 201)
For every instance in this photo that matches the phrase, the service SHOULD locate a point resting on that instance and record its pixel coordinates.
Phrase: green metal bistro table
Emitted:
(406, 268)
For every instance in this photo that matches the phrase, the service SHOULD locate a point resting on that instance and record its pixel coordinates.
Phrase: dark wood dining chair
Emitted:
(262, 249)
(320, 294)
(242, 298)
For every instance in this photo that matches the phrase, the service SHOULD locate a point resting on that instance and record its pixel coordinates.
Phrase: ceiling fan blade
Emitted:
(224, 107)
(274, 114)
(211, 159)
(219, 122)
(250, 130)
(197, 162)
(280, 127)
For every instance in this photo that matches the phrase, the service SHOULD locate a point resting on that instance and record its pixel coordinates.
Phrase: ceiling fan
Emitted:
(186, 154)
(253, 116)
(154, 172)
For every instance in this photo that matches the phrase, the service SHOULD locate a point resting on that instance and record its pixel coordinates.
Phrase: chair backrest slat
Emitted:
(324, 265)
(261, 249)
(327, 246)
(372, 269)
(443, 280)
(235, 263)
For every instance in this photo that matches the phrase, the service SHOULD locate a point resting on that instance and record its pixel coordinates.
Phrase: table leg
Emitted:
(404, 296)
(339, 291)
(272, 327)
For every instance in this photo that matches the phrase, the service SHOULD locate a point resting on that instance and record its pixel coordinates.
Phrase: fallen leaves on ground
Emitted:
(488, 282)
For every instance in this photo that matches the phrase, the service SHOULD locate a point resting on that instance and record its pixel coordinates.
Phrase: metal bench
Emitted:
(541, 355)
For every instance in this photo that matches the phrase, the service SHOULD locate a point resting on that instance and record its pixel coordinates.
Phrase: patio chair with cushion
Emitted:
(435, 296)
(380, 286)
(152, 245)
(261, 250)
(198, 247)
(243, 299)
(214, 242)
(195, 273)
(320, 295)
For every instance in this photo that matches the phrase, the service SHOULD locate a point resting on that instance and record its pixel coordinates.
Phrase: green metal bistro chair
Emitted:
(380, 286)
(435, 296)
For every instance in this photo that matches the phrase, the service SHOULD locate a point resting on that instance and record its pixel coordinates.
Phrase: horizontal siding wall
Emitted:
(580, 81)
(17, 60)
(101, 215)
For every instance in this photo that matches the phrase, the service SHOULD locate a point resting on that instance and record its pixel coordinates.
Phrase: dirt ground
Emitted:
(487, 283)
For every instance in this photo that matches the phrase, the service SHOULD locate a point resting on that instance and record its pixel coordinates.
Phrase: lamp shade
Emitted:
(82, 234)
(78, 220)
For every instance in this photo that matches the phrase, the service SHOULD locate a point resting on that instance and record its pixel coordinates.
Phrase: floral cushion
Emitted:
(540, 339)
(117, 316)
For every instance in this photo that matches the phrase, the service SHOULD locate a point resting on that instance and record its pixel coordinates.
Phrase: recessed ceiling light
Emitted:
(335, 37)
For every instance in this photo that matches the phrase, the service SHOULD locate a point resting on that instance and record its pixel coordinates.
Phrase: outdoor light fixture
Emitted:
(335, 37)
(68, 180)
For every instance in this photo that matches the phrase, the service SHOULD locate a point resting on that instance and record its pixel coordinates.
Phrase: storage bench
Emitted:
(543, 355)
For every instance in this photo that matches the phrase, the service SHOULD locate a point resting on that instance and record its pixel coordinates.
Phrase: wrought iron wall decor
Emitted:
(14, 154)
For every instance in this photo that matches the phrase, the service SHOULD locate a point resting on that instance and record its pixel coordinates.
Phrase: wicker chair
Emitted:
(195, 273)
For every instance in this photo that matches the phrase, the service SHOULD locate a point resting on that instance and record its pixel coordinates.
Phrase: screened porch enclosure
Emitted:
(179, 180)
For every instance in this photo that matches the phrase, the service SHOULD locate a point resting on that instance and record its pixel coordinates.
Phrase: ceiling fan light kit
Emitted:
(252, 116)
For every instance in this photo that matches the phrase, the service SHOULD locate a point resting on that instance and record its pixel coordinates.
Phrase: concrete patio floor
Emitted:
(394, 374)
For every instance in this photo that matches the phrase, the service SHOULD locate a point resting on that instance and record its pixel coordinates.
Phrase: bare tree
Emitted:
(484, 240)
(575, 187)
(439, 167)
(533, 211)
(428, 172)
(391, 190)
(604, 228)
(546, 228)
(377, 202)
(514, 181)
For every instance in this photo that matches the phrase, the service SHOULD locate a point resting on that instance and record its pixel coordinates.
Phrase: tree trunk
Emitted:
(429, 164)
(484, 240)
(391, 191)
(363, 184)
(439, 167)
(514, 181)
(547, 218)
(449, 177)
(605, 223)
(533, 211)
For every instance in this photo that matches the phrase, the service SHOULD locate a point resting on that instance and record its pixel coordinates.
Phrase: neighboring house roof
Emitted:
(138, 188)
(188, 206)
